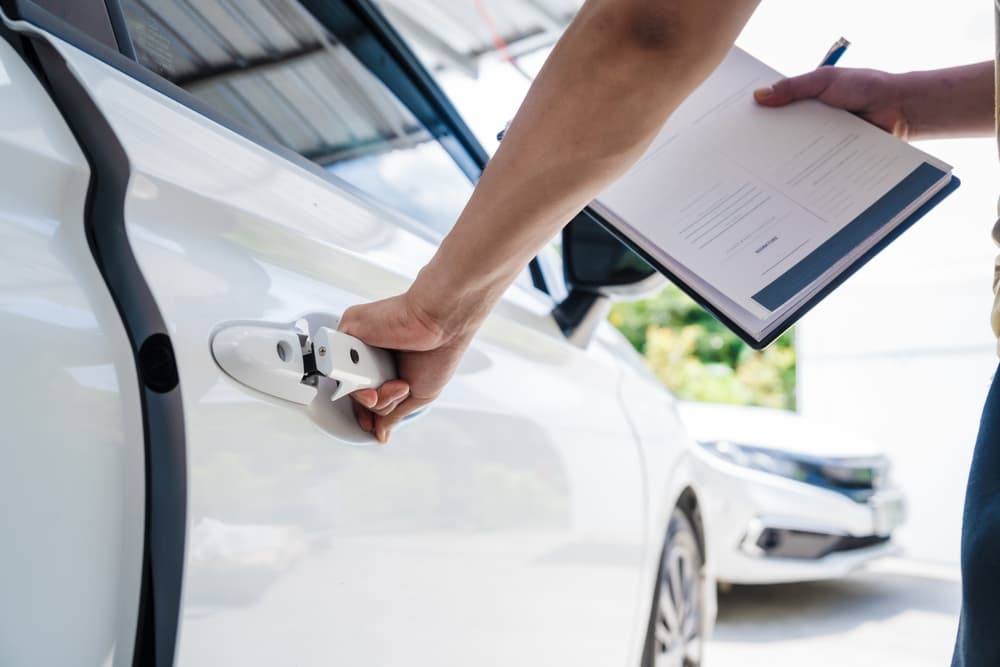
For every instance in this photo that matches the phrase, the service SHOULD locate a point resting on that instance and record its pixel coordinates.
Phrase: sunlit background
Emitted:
(900, 356)
(903, 352)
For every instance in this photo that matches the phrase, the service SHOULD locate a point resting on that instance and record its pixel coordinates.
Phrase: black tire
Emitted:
(675, 637)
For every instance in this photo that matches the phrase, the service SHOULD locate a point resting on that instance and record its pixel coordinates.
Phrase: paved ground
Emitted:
(902, 614)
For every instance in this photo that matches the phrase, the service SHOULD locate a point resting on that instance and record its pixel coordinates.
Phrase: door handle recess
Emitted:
(307, 363)
(266, 358)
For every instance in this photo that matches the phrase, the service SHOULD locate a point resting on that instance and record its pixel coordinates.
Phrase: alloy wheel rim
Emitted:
(678, 616)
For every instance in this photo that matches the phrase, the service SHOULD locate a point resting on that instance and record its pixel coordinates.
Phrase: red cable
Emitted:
(498, 41)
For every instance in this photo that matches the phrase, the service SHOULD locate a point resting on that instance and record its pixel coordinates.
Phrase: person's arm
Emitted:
(617, 73)
(951, 102)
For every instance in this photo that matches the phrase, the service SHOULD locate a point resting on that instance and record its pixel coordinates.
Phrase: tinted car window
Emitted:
(269, 66)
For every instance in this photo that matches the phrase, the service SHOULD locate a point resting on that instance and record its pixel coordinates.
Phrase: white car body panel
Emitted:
(667, 451)
(72, 483)
(507, 525)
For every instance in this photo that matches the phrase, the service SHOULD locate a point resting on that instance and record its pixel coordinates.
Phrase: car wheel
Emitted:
(675, 635)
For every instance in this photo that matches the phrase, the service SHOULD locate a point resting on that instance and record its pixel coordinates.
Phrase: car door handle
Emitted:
(351, 362)
(304, 363)
(281, 361)
(308, 364)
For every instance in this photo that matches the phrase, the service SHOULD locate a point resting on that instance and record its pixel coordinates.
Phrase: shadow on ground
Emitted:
(802, 611)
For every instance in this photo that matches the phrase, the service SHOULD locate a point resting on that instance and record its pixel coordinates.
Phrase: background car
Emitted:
(175, 170)
(788, 499)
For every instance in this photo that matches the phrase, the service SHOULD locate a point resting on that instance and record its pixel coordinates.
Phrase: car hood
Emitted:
(773, 429)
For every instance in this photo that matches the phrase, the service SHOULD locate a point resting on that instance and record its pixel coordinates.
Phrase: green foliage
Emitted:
(700, 359)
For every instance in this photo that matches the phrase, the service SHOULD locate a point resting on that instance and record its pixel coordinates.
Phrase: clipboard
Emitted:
(795, 315)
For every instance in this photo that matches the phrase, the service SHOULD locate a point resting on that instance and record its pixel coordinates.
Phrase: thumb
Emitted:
(805, 86)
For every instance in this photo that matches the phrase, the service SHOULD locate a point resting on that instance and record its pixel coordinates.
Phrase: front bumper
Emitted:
(763, 540)
(763, 529)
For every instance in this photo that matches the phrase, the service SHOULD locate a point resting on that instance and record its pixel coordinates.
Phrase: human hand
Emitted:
(428, 348)
(878, 97)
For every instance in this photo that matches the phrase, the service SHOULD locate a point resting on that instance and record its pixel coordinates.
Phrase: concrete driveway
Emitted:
(900, 614)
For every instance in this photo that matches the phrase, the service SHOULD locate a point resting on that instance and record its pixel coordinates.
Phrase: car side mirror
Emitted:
(598, 268)
(594, 260)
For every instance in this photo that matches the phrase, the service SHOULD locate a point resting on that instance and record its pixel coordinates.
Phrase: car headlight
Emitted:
(857, 478)
(758, 458)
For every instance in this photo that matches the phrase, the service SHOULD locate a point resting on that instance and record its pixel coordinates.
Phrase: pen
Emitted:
(833, 55)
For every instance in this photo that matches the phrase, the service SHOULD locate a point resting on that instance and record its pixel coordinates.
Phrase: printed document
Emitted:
(757, 209)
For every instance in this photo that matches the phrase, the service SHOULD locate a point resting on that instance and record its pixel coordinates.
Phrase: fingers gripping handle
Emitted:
(352, 363)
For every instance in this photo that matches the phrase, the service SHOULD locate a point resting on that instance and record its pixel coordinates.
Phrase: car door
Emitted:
(71, 482)
(504, 525)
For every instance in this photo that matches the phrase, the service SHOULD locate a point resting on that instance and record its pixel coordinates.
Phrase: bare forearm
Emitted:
(952, 102)
(621, 68)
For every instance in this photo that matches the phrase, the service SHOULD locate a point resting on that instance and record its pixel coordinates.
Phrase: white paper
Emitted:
(733, 195)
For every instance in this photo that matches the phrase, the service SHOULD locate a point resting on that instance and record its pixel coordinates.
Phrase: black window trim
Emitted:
(407, 78)
(120, 29)
(30, 12)
(401, 68)
(369, 36)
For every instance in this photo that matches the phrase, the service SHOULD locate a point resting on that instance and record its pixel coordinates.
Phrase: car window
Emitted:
(269, 66)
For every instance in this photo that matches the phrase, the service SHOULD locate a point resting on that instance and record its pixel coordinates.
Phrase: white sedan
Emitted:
(788, 499)
(191, 192)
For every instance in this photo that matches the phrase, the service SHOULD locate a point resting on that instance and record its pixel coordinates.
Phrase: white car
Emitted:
(788, 499)
(191, 191)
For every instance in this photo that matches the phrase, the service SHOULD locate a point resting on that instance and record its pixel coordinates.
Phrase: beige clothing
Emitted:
(996, 228)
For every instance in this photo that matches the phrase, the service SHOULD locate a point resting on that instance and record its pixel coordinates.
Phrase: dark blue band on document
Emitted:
(840, 244)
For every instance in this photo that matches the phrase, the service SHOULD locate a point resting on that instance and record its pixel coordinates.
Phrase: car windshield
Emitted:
(271, 67)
